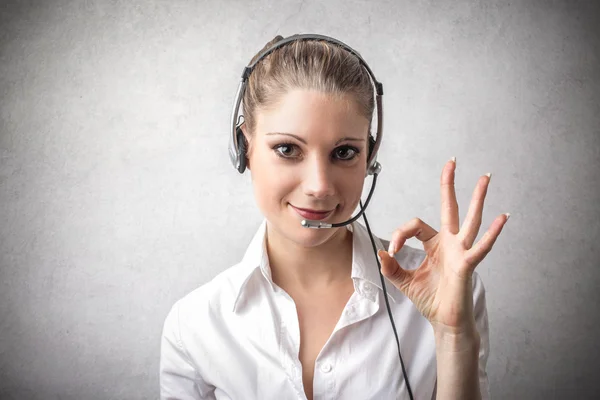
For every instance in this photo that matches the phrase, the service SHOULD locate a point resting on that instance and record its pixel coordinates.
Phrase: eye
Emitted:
(346, 153)
(286, 150)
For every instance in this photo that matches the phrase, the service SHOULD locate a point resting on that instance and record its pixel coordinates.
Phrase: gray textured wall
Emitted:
(117, 196)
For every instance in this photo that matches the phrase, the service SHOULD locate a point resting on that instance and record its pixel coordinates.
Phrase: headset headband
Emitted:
(234, 147)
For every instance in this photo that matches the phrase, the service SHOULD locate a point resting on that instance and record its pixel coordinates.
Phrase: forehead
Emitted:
(309, 112)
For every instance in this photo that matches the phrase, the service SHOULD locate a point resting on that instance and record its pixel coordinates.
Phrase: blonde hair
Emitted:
(306, 64)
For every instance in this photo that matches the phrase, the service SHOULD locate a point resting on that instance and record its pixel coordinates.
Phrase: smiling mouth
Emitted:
(315, 215)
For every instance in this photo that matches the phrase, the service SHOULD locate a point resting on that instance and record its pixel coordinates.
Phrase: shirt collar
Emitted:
(364, 265)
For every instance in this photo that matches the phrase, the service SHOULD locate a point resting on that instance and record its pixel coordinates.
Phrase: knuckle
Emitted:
(416, 221)
(397, 233)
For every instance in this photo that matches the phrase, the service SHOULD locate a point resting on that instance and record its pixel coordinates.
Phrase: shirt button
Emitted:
(326, 368)
(368, 288)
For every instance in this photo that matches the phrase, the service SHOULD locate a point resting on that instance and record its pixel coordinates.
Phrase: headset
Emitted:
(238, 153)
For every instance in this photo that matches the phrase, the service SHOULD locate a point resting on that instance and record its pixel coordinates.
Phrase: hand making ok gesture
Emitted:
(441, 288)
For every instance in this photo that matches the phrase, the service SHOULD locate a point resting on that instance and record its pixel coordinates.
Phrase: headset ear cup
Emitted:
(242, 149)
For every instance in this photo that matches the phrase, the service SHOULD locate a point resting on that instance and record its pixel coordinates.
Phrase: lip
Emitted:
(315, 215)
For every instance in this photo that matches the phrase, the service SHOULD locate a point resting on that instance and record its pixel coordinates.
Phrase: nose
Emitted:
(318, 179)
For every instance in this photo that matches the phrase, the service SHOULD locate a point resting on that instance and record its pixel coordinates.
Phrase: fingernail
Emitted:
(391, 249)
(489, 175)
(453, 159)
(507, 216)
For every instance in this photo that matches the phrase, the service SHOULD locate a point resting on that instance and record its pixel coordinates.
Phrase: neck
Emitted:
(308, 269)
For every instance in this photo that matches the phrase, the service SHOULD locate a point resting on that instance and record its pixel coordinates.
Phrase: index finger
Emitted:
(449, 205)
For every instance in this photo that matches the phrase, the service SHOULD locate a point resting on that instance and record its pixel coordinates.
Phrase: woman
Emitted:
(303, 315)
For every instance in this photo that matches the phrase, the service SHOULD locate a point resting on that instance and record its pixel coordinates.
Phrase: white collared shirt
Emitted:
(237, 336)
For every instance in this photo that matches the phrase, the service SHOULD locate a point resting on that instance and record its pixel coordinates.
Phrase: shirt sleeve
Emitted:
(179, 379)
(481, 321)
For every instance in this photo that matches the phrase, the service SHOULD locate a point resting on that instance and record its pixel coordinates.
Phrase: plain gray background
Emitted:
(117, 196)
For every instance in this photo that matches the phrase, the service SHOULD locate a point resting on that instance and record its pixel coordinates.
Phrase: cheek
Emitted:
(271, 182)
(352, 187)
(271, 186)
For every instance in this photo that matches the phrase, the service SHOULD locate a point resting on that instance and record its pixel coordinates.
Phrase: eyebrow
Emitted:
(352, 139)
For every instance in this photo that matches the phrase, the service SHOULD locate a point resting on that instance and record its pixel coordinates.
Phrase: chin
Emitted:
(309, 237)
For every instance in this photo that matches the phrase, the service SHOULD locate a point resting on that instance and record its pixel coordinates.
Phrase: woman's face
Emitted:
(309, 152)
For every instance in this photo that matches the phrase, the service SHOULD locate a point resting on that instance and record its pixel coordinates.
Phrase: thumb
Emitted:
(393, 271)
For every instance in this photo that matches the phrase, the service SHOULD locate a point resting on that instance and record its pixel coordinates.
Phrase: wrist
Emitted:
(465, 339)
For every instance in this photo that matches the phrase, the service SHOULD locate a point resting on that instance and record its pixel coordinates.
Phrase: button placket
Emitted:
(324, 379)
(290, 339)
(326, 367)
